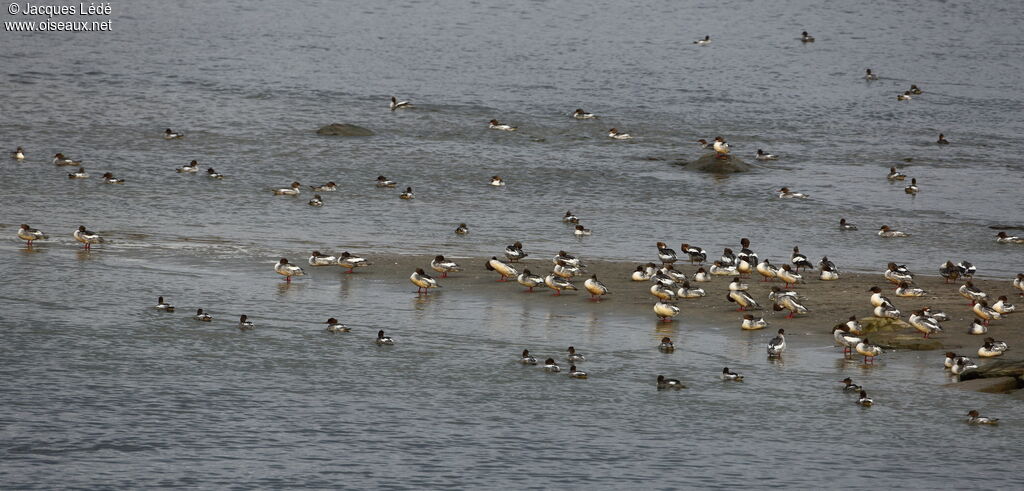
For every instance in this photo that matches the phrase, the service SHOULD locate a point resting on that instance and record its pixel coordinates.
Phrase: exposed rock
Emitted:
(1018, 394)
(710, 163)
(997, 385)
(896, 340)
(338, 129)
(883, 324)
(1001, 368)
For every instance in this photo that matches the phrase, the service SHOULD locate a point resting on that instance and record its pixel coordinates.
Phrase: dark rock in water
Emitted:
(710, 163)
(1000, 368)
(997, 385)
(895, 340)
(1006, 227)
(338, 129)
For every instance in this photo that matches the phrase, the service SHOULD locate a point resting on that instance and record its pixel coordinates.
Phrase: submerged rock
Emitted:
(996, 385)
(709, 163)
(339, 129)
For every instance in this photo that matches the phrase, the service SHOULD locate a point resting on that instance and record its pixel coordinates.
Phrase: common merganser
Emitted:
(581, 232)
(767, 270)
(565, 270)
(639, 274)
(87, 237)
(736, 284)
(829, 272)
(444, 266)
(330, 186)
(108, 178)
(705, 145)
(462, 229)
(574, 356)
(997, 345)
(729, 375)
(60, 159)
(495, 125)
(844, 225)
(987, 350)
(864, 400)
(686, 291)
(850, 386)
(288, 270)
(777, 345)
(799, 260)
(785, 193)
(977, 328)
(1002, 238)
(743, 299)
(567, 259)
(497, 181)
(529, 280)
(1003, 305)
(351, 261)
(703, 42)
(868, 75)
(581, 114)
(212, 174)
(895, 175)
(317, 201)
(925, 325)
(949, 271)
(844, 338)
(333, 326)
(886, 312)
(788, 302)
(614, 134)
(790, 277)
(966, 269)
(937, 315)
(898, 273)
(912, 188)
(423, 281)
(408, 194)
(905, 290)
(701, 276)
(1018, 283)
(751, 324)
(761, 155)
(971, 292)
(557, 283)
(951, 359)
(551, 366)
(807, 38)
(854, 326)
(515, 252)
(914, 90)
(697, 255)
(721, 147)
(30, 234)
(244, 324)
(318, 259)
(81, 174)
(172, 135)
(665, 311)
(383, 340)
(383, 182)
(868, 350)
(719, 269)
(502, 268)
(570, 218)
(665, 254)
(666, 345)
(973, 418)
(161, 305)
(595, 288)
(745, 253)
(904, 96)
(877, 299)
(18, 154)
(672, 274)
(527, 358)
(397, 104)
(961, 364)
(885, 231)
(669, 383)
(576, 373)
(292, 190)
(728, 258)
(942, 140)
(189, 168)
(777, 293)
(202, 316)
(984, 312)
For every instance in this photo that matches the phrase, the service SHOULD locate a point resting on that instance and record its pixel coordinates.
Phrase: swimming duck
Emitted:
(743, 299)
(495, 125)
(977, 328)
(383, 182)
(202, 316)
(244, 324)
(529, 280)
(397, 104)
(444, 266)
(697, 255)
(423, 281)
(581, 114)
(997, 345)
(666, 345)
(383, 340)
(703, 42)
(614, 134)
(904, 96)
(973, 418)
(189, 168)
(18, 154)
(914, 90)
(686, 291)
(705, 145)
(108, 178)
(912, 188)
(87, 237)
(984, 312)
(639, 274)
(665, 311)
(751, 324)
(895, 175)
(868, 75)
(788, 302)
(942, 140)
(292, 190)
(581, 232)
(924, 324)
(905, 290)
(767, 270)
(829, 271)
(570, 218)
(352, 261)
(333, 326)
(972, 293)
(568, 259)
(729, 375)
(60, 159)
(961, 364)
(330, 186)
(462, 229)
(850, 386)
(887, 232)
(1003, 305)
(854, 326)
(288, 270)
(497, 181)
(161, 305)
(574, 356)
(318, 259)
(81, 174)
(317, 201)
(719, 269)
(502, 268)
(844, 225)
(557, 283)
(576, 373)
(865, 400)
(806, 38)
(172, 135)
(408, 194)
(785, 193)
(799, 260)
(669, 383)
(595, 288)
(721, 147)
(666, 255)
(987, 350)
(868, 350)
(844, 338)
(790, 277)
(527, 358)
(1002, 238)
(515, 252)
(701, 276)
(212, 174)
(30, 234)
(777, 345)
(551, 366)
(761, 155)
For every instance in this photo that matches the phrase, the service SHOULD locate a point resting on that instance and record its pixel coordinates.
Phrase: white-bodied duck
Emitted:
(162, 305)
(557, 283)
(383, 340)
(497, 125)
(868, 350)
(202, 316)
(529, 280)
(730, 376)
(504, 269)
(172, 135)
(615, 135)
(669, 383)
(515, 252)
(974, 418)
(333, 326)
(751, 324)
(87, 237)
(316, 258)
(925, 325)
(423, 281)
(595, 288)
(777, 345)
(291, 190)
(444, 266)
(287, 270)
(330, 186)
(30, 234)
(665, 311)
(397, 104)
(905, 290)
(889, 232)
(189, 168)
(1002, 238)
(785, 193)
(351, 261)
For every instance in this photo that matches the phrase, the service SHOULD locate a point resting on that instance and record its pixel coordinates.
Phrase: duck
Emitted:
(936, 315)
(80, 174)
(905, 290)
(352, 261)
(912, 188)
(864, 400)
(887, 232)
(729, 375)
(1002, 238)
(721, 147)
(785, 193)
(898, 273)
(701, 276)
(529, 280)
(316, 258)
(615, 135)
(423, 281)
(495, 125)
(743, 299)
(777, 345)
(914, 90)
(924, 324)
(849, 386)
(18, 154)
(172, 135)
(868, 350)
(799, 260)
(951, 359)
(573, 355)
(383, 182)
(846, 226)
(895, 175)
(408, 194)
(60, 159)
(977, 328)
(854, 326)
(581, 114)
(333, 326)
(202, 316)
(557, 283)
(665, 311)
(244, 324)
(161, 305)
(1018, 283)
(973, 418)
(515, 252)
(942, 140)
(330, 186)
(966, 269)
(987, 350)
(288, 270)
(383, 340)
(761, 155)
(904, 96)
(30, 234)
(397, 104)
(665, 254)
(595, 288)
(736, 284)
(639, 274)
(751, 324)
(189, 168)
(686, 291)
(462, 229)
(868, 75)
(703, 42)
(568, 259)
(666, 345)
(565, 270)
(877, 299)
(767, 270)
(997, 345)
(829, 272)
(806, 38)
(788, 302)
(1003, 305)
(846, 339)
(551, 366)
(581, 232)
(728, 257)
(527, 358)
(292, 190)
(444, 266)
(669, 276)
(886, 312)
(108, 178)
(745, 253)
(790, 277)
(719, 269)
(576, 373)
(212, 174)
(669, 383)
(704, 144)
(87, 237)
(317, 201)
(949, 271)
(569, 217)
(497, 181)
(984, 312)
(961, 364)
(502, 268)
(971, 292)
(696, 254)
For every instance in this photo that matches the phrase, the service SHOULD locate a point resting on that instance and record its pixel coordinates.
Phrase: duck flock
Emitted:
(668, 285)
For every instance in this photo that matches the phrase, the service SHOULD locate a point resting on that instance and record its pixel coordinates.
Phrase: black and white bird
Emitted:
(777, 345)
